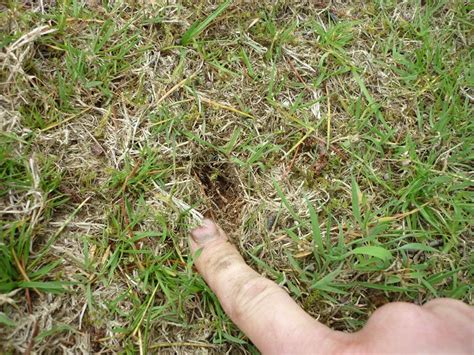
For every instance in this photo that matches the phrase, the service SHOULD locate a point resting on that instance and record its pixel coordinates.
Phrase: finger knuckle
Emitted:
(398, 312)
(250, 295)
(220, 260)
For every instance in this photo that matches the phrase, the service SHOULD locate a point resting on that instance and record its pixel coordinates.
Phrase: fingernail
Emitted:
(204, 233)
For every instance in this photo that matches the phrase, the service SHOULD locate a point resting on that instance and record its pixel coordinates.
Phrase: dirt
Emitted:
(221, 191)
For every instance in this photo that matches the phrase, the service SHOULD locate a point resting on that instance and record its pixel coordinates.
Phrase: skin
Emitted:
(277, 325)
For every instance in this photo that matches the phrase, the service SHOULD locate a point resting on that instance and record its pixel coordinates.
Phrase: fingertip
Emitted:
(208, 231)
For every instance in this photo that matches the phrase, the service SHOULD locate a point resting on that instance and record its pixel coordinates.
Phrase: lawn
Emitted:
(331, 140)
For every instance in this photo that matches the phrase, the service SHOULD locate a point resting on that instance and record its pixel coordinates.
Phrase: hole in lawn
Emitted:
(221, 190)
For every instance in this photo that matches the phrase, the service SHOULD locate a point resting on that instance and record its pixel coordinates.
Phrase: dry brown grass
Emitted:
(105, 146)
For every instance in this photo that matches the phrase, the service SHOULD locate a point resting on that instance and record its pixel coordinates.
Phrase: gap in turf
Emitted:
(221, 190)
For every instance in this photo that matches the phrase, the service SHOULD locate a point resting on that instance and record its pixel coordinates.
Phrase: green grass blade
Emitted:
(6, 321)
(355, 202)
(316, 231)
(47, 286)
(375, 251)
(284, 200)
(418, 247)
(374, 106)
(197, 27)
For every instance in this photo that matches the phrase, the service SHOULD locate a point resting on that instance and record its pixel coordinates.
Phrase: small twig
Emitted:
(184, 343)
(31, 344)
(131, 175)
(23, 273)
(328, 128)
(296, 72)
(28, 301)
(290, 166)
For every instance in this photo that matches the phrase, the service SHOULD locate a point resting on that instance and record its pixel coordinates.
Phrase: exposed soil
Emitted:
(221, 190)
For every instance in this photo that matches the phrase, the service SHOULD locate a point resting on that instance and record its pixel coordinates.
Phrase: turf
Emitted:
(333, 142)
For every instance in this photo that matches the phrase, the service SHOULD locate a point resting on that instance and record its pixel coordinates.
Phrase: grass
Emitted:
(333, 143)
